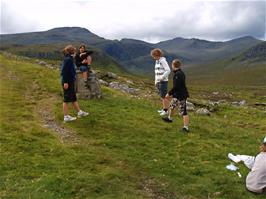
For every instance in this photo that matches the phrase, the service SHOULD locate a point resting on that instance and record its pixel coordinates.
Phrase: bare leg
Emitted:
(186, 120)
(65, 108)
(89, 60)
(165, 103)
(76, 106)
(85, 76)
(171, 112)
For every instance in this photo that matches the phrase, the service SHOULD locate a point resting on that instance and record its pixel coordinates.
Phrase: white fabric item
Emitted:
(162, 70)
(248, 160)
(231, 167)
(264, 141)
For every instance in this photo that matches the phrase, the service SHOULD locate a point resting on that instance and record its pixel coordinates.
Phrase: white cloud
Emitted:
(151, 20)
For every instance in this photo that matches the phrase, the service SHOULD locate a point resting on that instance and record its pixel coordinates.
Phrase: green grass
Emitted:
(126, 151)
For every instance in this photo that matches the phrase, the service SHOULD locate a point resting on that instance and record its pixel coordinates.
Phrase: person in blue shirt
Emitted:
(68, 77)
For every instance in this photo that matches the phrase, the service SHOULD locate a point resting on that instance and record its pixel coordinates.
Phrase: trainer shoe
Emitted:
(185, 130)
(166, 119)
(68, 118)
(160, 111)
(164, 113)
(82, 113)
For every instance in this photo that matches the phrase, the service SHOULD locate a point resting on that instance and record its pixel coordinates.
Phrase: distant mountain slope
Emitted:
(256, 53)
(130, 54)
(205, 51)
(56, 35)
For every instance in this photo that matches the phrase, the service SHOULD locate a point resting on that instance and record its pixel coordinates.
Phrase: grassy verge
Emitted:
(126, 150)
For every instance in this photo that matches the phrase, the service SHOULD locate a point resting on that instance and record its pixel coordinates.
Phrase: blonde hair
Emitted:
(69, 50)
(176, 63)
(157, 52)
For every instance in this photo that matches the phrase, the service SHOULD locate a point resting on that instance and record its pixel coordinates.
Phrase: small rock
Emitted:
(215, 93)
(242, 103)
(112, 75)
(130, 82)
(102, 82)
(222, 101)
(190, 106)
(203, 111)
(235, 103)
(42, 63)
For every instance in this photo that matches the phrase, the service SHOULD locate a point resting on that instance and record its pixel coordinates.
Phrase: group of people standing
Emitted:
(178, 95)
(82, 60)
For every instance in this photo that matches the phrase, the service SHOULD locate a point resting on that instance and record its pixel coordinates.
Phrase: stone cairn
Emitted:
(93, 90)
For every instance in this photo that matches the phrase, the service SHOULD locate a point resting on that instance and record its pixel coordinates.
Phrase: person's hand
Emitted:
(263, 148)
(65, 86)
(168, 96)
(84, 61)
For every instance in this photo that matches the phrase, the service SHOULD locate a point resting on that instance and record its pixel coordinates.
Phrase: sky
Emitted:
(148, 20)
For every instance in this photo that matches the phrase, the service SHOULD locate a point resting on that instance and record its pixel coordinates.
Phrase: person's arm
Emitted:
(166, 68)
(67, 64)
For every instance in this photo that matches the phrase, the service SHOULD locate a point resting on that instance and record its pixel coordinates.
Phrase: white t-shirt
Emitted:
(161, 69)
(256, 179)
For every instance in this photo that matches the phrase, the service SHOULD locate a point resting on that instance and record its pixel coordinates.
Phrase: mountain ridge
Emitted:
(134, 54)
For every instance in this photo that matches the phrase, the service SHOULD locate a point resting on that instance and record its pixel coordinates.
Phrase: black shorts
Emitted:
(182, 104)
(162, 88)
(70, 93)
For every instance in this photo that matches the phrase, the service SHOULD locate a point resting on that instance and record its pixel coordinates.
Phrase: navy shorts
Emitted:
(182, 104)
(84, 68)
(70, 93)
(162, 88)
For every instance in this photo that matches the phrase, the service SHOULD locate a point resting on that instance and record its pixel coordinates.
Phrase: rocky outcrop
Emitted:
(93, 90)
(124, 88)
(203, 111)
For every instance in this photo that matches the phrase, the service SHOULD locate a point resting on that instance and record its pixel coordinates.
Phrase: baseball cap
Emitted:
(264, 141)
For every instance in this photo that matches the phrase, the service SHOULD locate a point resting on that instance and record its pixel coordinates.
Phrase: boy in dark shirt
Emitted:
(68, 77)
(179, 95)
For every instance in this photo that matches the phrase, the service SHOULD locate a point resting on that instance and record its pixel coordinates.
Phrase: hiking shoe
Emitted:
(163, 113)
(160, 111)
(82, 113)
(68, 118)
(166, 119)
(184, 130)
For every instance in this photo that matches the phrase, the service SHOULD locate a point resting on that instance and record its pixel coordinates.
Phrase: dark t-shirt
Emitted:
(179, 89)
(79, 59)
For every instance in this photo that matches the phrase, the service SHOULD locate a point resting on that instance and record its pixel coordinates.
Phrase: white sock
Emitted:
(169, 117)
(186, 127)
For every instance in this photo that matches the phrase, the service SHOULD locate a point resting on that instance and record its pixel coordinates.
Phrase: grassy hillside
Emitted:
(121, 150)
(53, 52)
(228, 72)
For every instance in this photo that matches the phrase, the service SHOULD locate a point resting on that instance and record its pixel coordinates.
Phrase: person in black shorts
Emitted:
(68, 77)
(179, 94)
